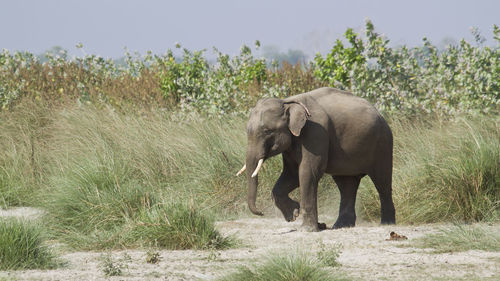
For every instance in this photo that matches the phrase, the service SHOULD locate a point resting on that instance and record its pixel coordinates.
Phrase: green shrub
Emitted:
(461, 78)
(22, 246)
(328, 255)
(111, 267)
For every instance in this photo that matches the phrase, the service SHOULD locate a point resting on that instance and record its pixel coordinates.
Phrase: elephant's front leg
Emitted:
(286, 183)
(308, 201)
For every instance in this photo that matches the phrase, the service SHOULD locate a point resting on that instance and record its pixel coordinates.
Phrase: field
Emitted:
(363, 254)
(127, 172)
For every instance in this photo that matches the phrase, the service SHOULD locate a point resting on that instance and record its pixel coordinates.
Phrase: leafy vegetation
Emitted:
(113, 267)
(22, 246)
(461, 78)
(461, 238)
(328, 254)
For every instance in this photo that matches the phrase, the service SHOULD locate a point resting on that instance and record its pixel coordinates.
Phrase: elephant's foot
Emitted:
(309, 228)
(388, 216)
(345, 221)
(311, 224)
(338, 225)
(295, 215)
(288, 207)
(388, 221)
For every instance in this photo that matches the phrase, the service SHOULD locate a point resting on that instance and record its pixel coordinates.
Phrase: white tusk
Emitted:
(242, 170)
(259, 165)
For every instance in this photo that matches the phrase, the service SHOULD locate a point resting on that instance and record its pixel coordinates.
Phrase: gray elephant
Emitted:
(323, 131)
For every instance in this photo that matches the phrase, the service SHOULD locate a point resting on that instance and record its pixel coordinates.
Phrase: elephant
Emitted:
(328, 131)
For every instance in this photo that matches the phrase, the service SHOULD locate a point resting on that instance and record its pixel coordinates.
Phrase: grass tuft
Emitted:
(177, 227)
(461, 238)
(22, 246)
(296, 267)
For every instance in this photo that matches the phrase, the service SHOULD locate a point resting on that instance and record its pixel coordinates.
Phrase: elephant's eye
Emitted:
(268, 131)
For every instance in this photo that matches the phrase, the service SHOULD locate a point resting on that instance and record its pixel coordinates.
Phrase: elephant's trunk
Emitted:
(253, 182)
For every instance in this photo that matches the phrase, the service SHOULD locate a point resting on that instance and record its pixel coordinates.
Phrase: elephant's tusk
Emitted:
(259, 165)
(242, 170)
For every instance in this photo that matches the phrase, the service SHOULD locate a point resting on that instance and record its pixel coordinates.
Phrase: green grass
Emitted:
(23, 246)
(443, 171)
(119, 181)
(291, 267)
(102, 175)
(178, 227)
(21, 154)
(461, 238)
(95, 211)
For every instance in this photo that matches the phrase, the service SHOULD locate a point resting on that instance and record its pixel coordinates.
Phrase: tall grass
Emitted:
(113, 174)
(462, 238)
(444, 171)
(102, 174)
(23, 246)
(22, 146)
(177, 226)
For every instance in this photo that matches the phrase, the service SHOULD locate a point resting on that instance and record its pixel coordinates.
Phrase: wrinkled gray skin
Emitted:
(344, 136)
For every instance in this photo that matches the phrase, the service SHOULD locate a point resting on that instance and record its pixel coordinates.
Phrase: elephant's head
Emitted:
(270, 129)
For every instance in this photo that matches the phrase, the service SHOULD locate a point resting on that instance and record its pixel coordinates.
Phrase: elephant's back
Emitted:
(355, 127)
(337, 104)
(327, 97)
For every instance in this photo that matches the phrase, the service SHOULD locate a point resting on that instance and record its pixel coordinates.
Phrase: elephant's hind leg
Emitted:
(348, 186)
(383, 183)
(287, 182)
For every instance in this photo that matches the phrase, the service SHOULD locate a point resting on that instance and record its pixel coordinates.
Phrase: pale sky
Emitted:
(105, 27)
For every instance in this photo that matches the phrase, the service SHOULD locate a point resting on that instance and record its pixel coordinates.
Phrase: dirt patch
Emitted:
(21, 212)
(366, 255)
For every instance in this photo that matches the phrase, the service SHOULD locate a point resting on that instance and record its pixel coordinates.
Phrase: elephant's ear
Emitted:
(297, 116)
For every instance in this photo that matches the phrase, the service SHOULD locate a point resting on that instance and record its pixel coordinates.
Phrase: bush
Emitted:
(462, 78)
(328, 254)
(22, 246)
(424, 79)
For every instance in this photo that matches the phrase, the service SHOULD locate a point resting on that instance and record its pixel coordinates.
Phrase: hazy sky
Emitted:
(105, 27)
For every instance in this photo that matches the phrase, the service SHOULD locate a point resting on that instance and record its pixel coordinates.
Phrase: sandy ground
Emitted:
(366, 255)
